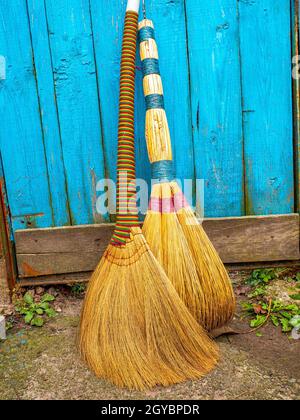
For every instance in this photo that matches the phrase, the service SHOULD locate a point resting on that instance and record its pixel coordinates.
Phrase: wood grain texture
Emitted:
(72, 278)
(7, 261)
(77, 249)
(296, 95)
(76, 89)
(265, 39)
(216, 103)
(49, 113)
(170, 29)
(257, 238)
(21, 139)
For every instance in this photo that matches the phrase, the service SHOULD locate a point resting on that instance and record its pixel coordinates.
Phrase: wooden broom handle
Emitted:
(157, 128)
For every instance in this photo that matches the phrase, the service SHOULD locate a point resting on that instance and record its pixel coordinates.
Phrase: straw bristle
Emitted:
(213, 276)
(135, 330)
(192, 264)
(169, 245)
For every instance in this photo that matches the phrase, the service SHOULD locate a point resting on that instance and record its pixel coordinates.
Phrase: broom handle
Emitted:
(127, 214)
(157, 128)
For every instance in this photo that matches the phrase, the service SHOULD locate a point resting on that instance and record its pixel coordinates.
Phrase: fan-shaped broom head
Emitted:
(175, 235)
(135, 330)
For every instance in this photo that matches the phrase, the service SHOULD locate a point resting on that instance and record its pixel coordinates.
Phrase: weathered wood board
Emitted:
(7, 263)
(43, 252)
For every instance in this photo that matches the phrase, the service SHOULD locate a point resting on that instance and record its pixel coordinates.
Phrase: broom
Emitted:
(135, 331)
(171, 228)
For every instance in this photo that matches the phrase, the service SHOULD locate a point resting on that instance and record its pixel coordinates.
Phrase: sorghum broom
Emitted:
(171, 228)
(135, 330)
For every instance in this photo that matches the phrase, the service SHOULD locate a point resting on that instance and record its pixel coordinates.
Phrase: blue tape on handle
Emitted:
(163, 171)
(155, 101)
(146, 33)
(150, 66)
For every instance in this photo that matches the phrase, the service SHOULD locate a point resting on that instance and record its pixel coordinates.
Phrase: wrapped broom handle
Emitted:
(127, 214)
(157, 128)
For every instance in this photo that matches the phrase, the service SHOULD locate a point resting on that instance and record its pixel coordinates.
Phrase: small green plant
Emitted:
(259, 281)
(280, 314)
(34, 313)
(262, 277)
(78, 288)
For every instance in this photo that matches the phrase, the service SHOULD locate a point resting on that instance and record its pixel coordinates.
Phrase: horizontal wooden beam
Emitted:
(67, 250)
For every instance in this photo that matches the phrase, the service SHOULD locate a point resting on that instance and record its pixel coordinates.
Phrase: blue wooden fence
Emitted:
(226, 66)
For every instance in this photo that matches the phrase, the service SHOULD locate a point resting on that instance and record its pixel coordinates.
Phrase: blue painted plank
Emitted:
(107, 24)
(267, 105)
(216, 104)
(170, 29)
(72, 51)
(174, 69)
(108, 55)
(21, 139)
(51, 129)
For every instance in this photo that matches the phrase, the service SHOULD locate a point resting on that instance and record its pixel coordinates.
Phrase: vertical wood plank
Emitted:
(78, 104)
(107, 24)
(8, 271)
(171, 35)
(216, 103)
(51, 129)
(21, 137)
(296, 96)
(265, 35)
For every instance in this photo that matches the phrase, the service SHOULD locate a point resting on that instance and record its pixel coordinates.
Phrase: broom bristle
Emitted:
(169, 245)
(180, 244)
(135, 330)
(213, 276)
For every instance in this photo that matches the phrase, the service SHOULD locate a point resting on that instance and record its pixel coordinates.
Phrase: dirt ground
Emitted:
(42, 363)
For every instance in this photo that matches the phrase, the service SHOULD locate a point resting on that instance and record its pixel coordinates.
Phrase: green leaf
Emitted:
(258, 321)
(259, 334)
(47, 298)
(275, 321)
(295, 297)
(28, 298)
(28, 317)
(37, 322)
(247, 307)
(50, 312)
(44, 305)
(259, 291)
(286, 327)
(286, 315)
(39, 311)
(298, 276)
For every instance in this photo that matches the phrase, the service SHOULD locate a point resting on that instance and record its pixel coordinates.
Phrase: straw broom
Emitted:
(135, 331)
(171, 228)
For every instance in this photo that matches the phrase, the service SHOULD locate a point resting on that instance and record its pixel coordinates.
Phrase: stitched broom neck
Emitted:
(127, 215)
